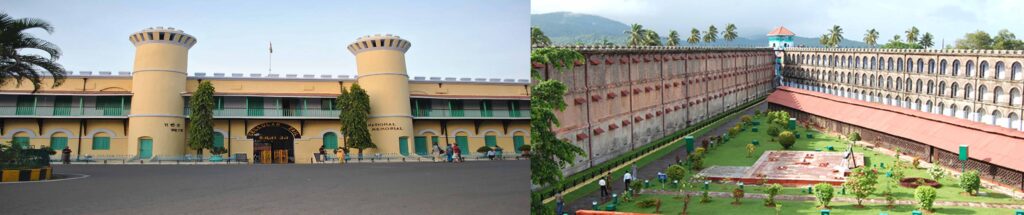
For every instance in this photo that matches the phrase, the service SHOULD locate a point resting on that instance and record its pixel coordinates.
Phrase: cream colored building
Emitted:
(143, 115)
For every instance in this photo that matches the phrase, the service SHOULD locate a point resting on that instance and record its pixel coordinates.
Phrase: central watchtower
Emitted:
(380, 63)
(157, 121)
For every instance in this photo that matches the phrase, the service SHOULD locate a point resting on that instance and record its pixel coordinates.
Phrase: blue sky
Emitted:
(946, 19)
(451, 38)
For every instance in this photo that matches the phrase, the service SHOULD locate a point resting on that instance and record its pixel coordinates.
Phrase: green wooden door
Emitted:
(330, 141)
(26, 105)
(421, 145)
(517, 141)
(456, 108)
(62, 106)
(58, 143)
(403, 145)
(491, 141)
(254, 106)
(145, 148)
(218, 140)
(463, 142)
(22, 142)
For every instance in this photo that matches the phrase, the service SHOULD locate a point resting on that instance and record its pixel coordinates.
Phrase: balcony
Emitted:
(273, 113)
(62, 112)
(471, 114)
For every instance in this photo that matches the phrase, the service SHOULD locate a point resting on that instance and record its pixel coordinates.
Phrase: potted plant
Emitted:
(483, 151)
(217, 152)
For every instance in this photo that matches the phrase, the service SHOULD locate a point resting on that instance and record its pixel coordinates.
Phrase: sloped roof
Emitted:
(997, 145)
(780, 31)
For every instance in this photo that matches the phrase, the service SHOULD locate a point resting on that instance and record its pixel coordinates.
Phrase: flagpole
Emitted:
(270, 59)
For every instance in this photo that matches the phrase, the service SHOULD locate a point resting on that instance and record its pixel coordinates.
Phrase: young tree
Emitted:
(696, 159)
(854, 136)
(977, 40)
(711, 35)
(200, 124)
(651, 38)
(936, 172)
(925, 196)
(772, 191)
(537, 37)
(16, 47)
(787, 139)
(926, 40)
(862, 183)
(694, 36)
(970, 182)
(773, 130)
(676, 172)
(912, 35)
(673, 38)
(751, 148)
(824, 193)
(637, 35)
(355, 111)
(549, 154)
(730, 33)
(737, 194)
(871, 37)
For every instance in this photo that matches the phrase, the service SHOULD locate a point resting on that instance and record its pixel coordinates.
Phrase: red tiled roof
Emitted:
(780, 31)
(993, 144)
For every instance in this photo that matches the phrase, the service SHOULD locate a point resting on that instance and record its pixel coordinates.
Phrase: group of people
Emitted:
(606, 188)
(451, 153)
(495, 153)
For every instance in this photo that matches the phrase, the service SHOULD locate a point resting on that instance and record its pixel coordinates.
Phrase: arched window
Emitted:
(995, 118)
(58, 141)
(218, 140)
(21, 139)
(928, 106)
(1014, 120)
(982, 69)
(942, 67)
(999, 70)
(899, 64)
(910, 65)
(982, 92)
(997, 95)
(899, 83)
(1015, 73)
(888, 83)
(968, 91)
(931, 66)
(873, 63)
(942, 88)
(518, 140)
(1014, 97)
(889, 65)
(100, 141)
(966, 112)
(969, 70)
(941, 109)
(918, 88)
(956, 68)
(953, 90)
(931, 87)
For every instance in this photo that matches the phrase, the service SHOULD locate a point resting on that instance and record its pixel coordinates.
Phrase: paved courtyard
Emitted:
(500, 187)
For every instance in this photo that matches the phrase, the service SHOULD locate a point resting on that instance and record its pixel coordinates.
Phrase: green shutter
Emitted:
(218, 140)
(110, 105)
(491, 140)
(421, 145)
(101, 143)
(330, 141)
(513, 109)
(403, 145)
(145, 148)
(20, 141)
(456, 108)
(218, 103)
(517, 141)
(485, 108)
(463, 143)
(62, 106)
(58, 143)
(254, 106)
(326, 104)
(26, 105)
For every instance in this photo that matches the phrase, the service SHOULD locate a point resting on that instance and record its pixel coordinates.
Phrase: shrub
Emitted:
(483, 149)
(635, 186)
(824, 192)
(862, 183)
(970, 182)
(676, 172)
(751, 148)
(746, 119)
(925, 196)
(916, 162)
(524, 147)
(773, 130)
(218, 150)
(780, 118)
(772, 191)
(704, 197)
(734, 130)
(787, 139)
(696, 159)
(890, 199)
(646, 203)
(854, 136)
(737, 194)
(936, 172)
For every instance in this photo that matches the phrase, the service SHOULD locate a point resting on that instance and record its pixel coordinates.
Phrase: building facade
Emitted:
(143, 114)
(625, 97)
(978, 85)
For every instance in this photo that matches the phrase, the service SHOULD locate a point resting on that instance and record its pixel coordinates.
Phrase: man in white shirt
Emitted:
(604, 187)
(627, 178)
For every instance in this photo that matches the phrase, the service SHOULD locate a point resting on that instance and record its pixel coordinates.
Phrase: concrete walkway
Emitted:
(838, 199)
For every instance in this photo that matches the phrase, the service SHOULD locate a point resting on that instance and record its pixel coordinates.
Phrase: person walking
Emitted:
(458, 153)
(448, 152)
(559, 203)
(437, 153)
(604, 187)
(627, 178)
(322, 156)
(66, 155)
(634, 170)
(498, 152)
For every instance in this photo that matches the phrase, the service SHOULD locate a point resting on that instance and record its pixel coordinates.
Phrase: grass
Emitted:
(674, 205)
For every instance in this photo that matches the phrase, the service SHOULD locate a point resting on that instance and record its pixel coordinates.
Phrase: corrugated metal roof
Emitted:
(997, 145)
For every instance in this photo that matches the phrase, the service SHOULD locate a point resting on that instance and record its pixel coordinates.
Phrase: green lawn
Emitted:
(733, 153)
(674, 204)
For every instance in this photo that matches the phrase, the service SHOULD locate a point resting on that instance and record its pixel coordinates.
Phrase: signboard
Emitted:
(963, 152)
(268, 131)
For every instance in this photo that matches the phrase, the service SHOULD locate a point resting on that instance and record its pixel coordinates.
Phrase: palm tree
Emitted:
(711, 35)
(673, 38)
(912, 35)
(835, 36)
(824, 40)
(16, 63)
(651, 38)
(604, 42)
(694, 36)
(730, 32)
(636, 35)
(871, 38)
(926, 40)
(537, 37)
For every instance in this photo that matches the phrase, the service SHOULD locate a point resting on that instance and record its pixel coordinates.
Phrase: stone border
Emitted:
(37, 174)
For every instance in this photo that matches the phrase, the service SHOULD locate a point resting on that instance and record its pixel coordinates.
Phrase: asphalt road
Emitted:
(498, 187)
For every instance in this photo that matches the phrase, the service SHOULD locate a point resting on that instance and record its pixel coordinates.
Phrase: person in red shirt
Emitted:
(458, 153)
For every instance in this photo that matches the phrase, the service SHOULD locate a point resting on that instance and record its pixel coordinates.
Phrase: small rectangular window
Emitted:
(364, 45)
(171, 38)
(161, 34)
(382, 42)
(374, 43)
(149, 35)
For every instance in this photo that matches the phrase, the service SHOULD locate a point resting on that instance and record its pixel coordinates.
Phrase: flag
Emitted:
(271, 47)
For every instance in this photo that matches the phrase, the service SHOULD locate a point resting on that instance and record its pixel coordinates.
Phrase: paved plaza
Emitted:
(499, 187)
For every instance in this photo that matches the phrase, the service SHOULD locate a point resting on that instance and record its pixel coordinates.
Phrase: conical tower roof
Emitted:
(780, 31)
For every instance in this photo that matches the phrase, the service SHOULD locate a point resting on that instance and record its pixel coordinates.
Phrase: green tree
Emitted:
(823, 40)
(925, 196)
(871, 37)
(780, 118)
(936, 172)
(604, 42)
(651, 38)
(970, 182)
(676, 172)
(1005, 40)
(835, 36)
(977, 40)
(854, 136)
(912, 34)
(16, 60)
(200, 124)
(772, 191)
(711, 35)
(636, 34)
(549, 154)
(824, 193)
(896, 44)
(862, 183)
(730, 33)
(694, 36)
(787, 139)
(537, 37)
(773, 130)
(355, 111)
(673, 38)
(926, 40)
(751, 148)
